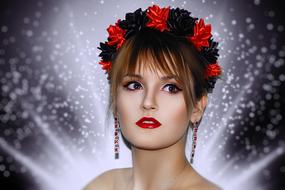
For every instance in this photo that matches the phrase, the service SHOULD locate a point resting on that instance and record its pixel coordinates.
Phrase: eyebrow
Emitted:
(161, 78)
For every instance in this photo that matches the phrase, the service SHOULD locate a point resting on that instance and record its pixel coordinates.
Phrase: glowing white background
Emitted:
(73, 38)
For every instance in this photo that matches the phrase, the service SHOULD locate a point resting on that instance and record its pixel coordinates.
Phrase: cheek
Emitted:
(128, 106)
(174, 112)
(174, 106)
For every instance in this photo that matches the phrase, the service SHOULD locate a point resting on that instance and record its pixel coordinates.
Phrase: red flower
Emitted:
(158, 17)
(213, 70)
(116, 35)
(106, 65)
(201, 35)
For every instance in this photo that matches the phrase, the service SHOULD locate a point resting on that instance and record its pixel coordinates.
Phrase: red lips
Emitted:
(148, 123)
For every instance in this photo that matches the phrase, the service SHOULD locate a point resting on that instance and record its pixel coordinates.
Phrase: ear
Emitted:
(199, 109)
(115, 113)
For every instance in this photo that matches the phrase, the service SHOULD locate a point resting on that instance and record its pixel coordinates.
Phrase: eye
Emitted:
(173, 89)
(132, 85)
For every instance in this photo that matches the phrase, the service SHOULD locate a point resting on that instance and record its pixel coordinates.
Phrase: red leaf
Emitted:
(116, 35)
(213, 70)
(106, 65)
(201, 35)
(158, 18)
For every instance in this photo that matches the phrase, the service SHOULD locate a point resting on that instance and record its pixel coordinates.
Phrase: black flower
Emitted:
(108, 52)
(210, 84)
(180, 22)
(134, 22)
(210, 53)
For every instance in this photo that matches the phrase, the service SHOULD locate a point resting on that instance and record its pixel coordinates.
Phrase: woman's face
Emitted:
(149, 95)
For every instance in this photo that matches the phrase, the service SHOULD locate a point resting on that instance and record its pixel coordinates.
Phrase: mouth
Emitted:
(148, 123)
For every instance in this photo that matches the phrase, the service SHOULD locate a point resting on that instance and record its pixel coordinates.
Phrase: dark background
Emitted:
(268, 102)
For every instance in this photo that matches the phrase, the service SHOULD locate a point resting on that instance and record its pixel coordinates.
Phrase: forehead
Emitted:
(147, 73)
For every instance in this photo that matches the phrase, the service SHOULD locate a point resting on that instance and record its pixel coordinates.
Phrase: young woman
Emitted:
(161, 64)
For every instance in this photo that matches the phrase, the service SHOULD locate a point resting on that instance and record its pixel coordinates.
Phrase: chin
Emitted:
(150, 142)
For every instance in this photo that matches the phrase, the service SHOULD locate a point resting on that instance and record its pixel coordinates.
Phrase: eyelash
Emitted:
(135, 82)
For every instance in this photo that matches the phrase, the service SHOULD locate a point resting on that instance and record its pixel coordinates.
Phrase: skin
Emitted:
(159, 160)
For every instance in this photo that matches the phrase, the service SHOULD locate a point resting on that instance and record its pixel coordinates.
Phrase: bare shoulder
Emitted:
(205, 184)
(102, 182)
(199, 182)
(106, 180)
(209, 186)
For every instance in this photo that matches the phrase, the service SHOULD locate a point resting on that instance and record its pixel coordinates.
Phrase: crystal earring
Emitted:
(194, 140)
(116, 140)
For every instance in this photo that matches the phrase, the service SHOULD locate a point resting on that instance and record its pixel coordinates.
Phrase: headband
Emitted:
(176, 21)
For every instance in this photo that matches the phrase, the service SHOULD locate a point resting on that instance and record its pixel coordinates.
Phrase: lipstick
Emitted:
(148, 123)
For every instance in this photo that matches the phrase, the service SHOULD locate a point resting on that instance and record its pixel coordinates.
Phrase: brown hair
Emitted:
(161, 51)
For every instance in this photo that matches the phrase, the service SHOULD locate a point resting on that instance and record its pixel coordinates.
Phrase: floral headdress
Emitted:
(176, 21)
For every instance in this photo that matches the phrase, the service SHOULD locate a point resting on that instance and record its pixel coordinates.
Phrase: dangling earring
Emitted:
(194, 141)
(116, 140)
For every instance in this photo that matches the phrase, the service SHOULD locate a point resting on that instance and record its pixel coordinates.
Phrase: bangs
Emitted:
(150, 49)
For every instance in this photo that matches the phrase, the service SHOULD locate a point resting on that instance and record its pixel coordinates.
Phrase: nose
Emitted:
(149, 102)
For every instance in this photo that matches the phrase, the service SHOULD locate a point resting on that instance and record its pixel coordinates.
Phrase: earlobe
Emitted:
(204, 102)
(199, 109)
(201, 104)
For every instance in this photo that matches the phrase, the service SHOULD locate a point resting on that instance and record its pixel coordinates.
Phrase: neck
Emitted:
(158, 169)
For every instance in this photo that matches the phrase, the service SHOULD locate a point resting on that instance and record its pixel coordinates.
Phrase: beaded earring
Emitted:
(194, 140)
(116, 139)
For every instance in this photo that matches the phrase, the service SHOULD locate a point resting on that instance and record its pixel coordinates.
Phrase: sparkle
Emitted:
(54, 97)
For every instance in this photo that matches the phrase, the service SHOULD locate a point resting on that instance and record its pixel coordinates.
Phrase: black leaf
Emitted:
(210, 53)
(134, 22)
(108, 52)
(180, 22)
